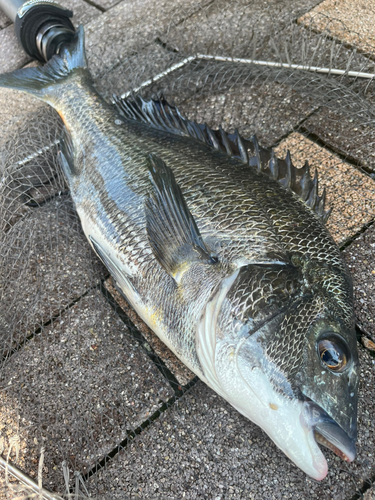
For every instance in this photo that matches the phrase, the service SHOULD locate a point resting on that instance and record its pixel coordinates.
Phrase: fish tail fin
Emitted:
(37, 80)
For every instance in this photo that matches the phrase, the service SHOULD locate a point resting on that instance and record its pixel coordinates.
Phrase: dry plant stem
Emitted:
(26, 480)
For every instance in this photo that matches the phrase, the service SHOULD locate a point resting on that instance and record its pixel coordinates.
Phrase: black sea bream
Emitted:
(221, 249)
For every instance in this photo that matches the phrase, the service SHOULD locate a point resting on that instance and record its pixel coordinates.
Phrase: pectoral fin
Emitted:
(66, 155)
(172, 231)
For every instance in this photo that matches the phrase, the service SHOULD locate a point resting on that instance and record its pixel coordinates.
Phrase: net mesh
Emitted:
(92, 403)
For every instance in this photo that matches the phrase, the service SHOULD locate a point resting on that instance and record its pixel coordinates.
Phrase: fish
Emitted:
(221, 248)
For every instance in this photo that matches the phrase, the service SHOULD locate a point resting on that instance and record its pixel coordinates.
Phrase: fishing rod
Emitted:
(41, 26)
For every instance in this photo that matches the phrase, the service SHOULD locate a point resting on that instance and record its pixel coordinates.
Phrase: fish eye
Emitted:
(333, 353)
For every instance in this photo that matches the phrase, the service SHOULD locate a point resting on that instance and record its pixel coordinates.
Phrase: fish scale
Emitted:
(235, 220)
(221, 249)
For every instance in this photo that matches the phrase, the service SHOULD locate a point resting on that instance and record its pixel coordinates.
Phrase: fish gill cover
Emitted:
(92, 403)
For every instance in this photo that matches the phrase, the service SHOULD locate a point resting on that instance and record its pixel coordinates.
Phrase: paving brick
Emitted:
(350, 192)
(350, 21)
(83, 12)
(179, 370)
(126, 29)
(11, 488)
(228, 28)
(26, 135)
(12, 55)
(270, 110)
(350, 136)
(135, 69)
(360, 257)
(105, 4)
(76, 389)
(15, 105)
(46, 263)
(30, 171)
(203, 448)
(306, 45)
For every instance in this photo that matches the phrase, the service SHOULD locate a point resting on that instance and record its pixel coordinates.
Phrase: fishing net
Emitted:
(92, 403)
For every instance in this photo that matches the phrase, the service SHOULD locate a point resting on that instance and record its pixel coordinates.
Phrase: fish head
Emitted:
(285, 356)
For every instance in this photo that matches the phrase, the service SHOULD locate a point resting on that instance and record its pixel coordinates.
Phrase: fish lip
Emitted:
(328, 432)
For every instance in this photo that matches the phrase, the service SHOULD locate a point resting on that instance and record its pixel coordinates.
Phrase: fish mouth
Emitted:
(348, 455)
(328, 432)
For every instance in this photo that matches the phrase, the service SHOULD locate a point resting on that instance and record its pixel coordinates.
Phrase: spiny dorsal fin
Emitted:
(159, 114)
(172, 232)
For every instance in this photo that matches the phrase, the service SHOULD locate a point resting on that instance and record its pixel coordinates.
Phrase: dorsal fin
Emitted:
(159, 114)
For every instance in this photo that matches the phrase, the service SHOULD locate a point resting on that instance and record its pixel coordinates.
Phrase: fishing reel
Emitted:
(41, 26)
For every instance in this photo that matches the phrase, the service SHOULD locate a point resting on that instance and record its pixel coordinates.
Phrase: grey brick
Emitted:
(126, 30)
(4, 21)
(106, 4)
(346, 134)
(46, 264)
(134, 69)
(360, 257)
(228, 28)
(269, 110)
(76, 389)
(203, 448)
(12, 55)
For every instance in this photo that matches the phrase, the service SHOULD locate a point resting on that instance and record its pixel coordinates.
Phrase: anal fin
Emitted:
(66, 155)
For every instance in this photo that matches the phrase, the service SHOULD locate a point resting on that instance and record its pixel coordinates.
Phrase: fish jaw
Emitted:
(328, 433)
(247, 387)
